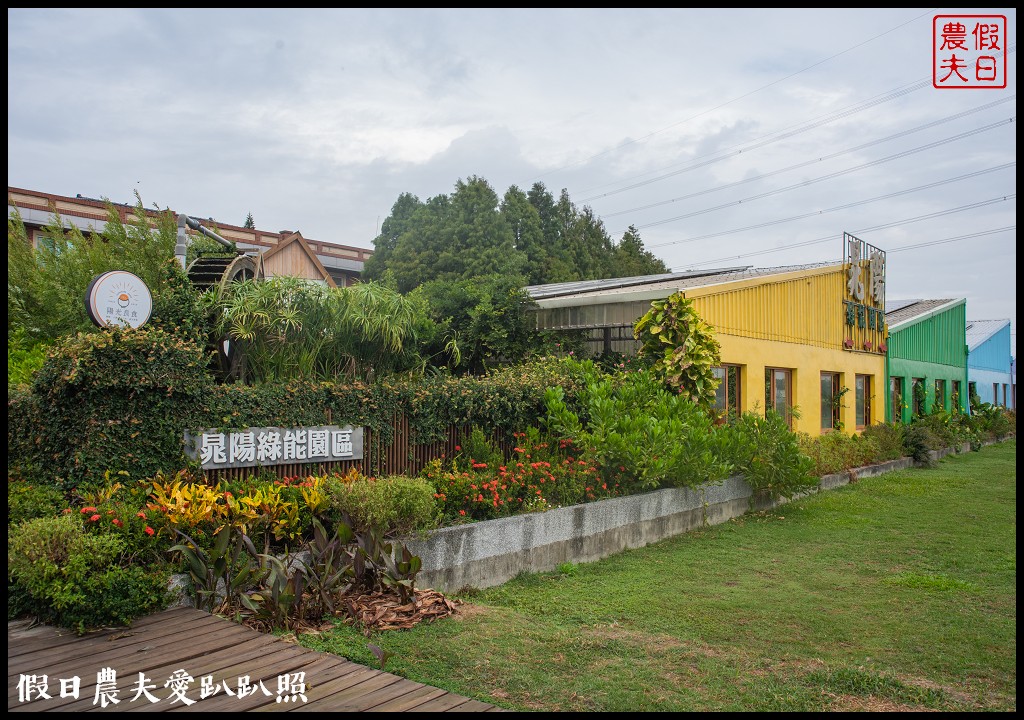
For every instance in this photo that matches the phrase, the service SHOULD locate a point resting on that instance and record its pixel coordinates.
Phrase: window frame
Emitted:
(834, 412)
(732, 400)
(862, 393)
(769, 399)
(940, 394)
(896, 397)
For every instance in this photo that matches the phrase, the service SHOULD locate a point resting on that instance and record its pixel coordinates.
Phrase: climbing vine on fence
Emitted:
(120, 400)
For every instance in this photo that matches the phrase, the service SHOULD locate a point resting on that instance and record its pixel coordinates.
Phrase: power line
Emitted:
(764, 140)
(736, 99)
(861, 231)
(847, 206)
(953, 239)
(806, 163)
(830, 176)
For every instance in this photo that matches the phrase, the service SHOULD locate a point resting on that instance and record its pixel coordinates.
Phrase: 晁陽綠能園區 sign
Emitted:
(262, 446)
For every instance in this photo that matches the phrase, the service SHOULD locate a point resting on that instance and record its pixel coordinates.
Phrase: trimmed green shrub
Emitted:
(121, 401)
(919, 440)
(26, 501)
(769, 457)
(394, 505)
(74, 579)
(634, 426)
(889, 438)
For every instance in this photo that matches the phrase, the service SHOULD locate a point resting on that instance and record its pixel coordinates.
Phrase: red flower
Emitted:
(88, 510)
(462, 512)
(118, 522)
(149, 530)
(94, 518)
(458, 447)
(140, 514)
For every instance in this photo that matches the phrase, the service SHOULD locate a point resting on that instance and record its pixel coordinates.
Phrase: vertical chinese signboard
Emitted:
(864, 304)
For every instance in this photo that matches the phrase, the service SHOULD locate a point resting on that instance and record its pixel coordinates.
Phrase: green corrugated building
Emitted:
(926, 357)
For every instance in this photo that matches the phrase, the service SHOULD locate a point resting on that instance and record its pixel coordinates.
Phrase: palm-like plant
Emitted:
(289, 328)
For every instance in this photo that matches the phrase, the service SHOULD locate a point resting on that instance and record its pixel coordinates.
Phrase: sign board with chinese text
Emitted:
(864, 302)
(265, 446)
(118, 298)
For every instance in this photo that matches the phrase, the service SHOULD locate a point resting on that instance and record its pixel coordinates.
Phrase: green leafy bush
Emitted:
(919, 441)
(634, 426)
(394, 505)
(889, 439)
(75, 579)
(996, 421)
(768, 455)
(24, 358)
(683, 347)
(26, 501)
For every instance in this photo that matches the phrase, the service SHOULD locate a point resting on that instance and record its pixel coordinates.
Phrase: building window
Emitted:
(43, 241)
(863, 392)
(896, 394)
(995, 393)
(972, 393)
(917, 390)
(727, 394)
(954, 398)
(778, 392)
(831, 401)
(940, 395)
(1004, 395)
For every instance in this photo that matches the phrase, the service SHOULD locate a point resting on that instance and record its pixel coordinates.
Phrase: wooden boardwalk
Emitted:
(223, 666)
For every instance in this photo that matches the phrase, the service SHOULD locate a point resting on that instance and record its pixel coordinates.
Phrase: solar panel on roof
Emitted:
(550, 290)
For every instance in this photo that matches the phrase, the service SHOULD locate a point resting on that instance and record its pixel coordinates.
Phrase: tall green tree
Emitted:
(400, 221)
(469, 233)
(456, 237)
(249, 222)
(48, 291)
(490, 317)
(631, 259)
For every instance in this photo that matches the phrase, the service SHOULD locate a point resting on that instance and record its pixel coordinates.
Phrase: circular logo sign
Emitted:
(118, 298)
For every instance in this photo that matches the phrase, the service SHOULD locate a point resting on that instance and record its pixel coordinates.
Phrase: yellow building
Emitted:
(803, 338)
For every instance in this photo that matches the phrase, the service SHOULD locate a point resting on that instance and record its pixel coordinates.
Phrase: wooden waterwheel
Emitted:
(217, 271)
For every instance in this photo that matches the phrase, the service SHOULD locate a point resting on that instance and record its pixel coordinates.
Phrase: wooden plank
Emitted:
(263, 665)
(472, 706)
(309, 663)
(445, 703)
(163, 640)
(346, 699)
(410, 701)
(402, 689)
(159, 668)
(130, 640)
(204, 645)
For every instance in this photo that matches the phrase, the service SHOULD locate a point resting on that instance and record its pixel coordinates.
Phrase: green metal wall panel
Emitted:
(939, 339)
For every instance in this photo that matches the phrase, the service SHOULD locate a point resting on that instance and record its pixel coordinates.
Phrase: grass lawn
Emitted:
(895, 593)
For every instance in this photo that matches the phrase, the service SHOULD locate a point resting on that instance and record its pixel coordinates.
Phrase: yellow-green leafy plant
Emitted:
(682, 346)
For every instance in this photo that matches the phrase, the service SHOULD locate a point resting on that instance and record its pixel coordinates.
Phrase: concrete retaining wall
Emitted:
(491, 552)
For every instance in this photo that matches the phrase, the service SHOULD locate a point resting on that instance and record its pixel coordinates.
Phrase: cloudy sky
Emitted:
(726, 137)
